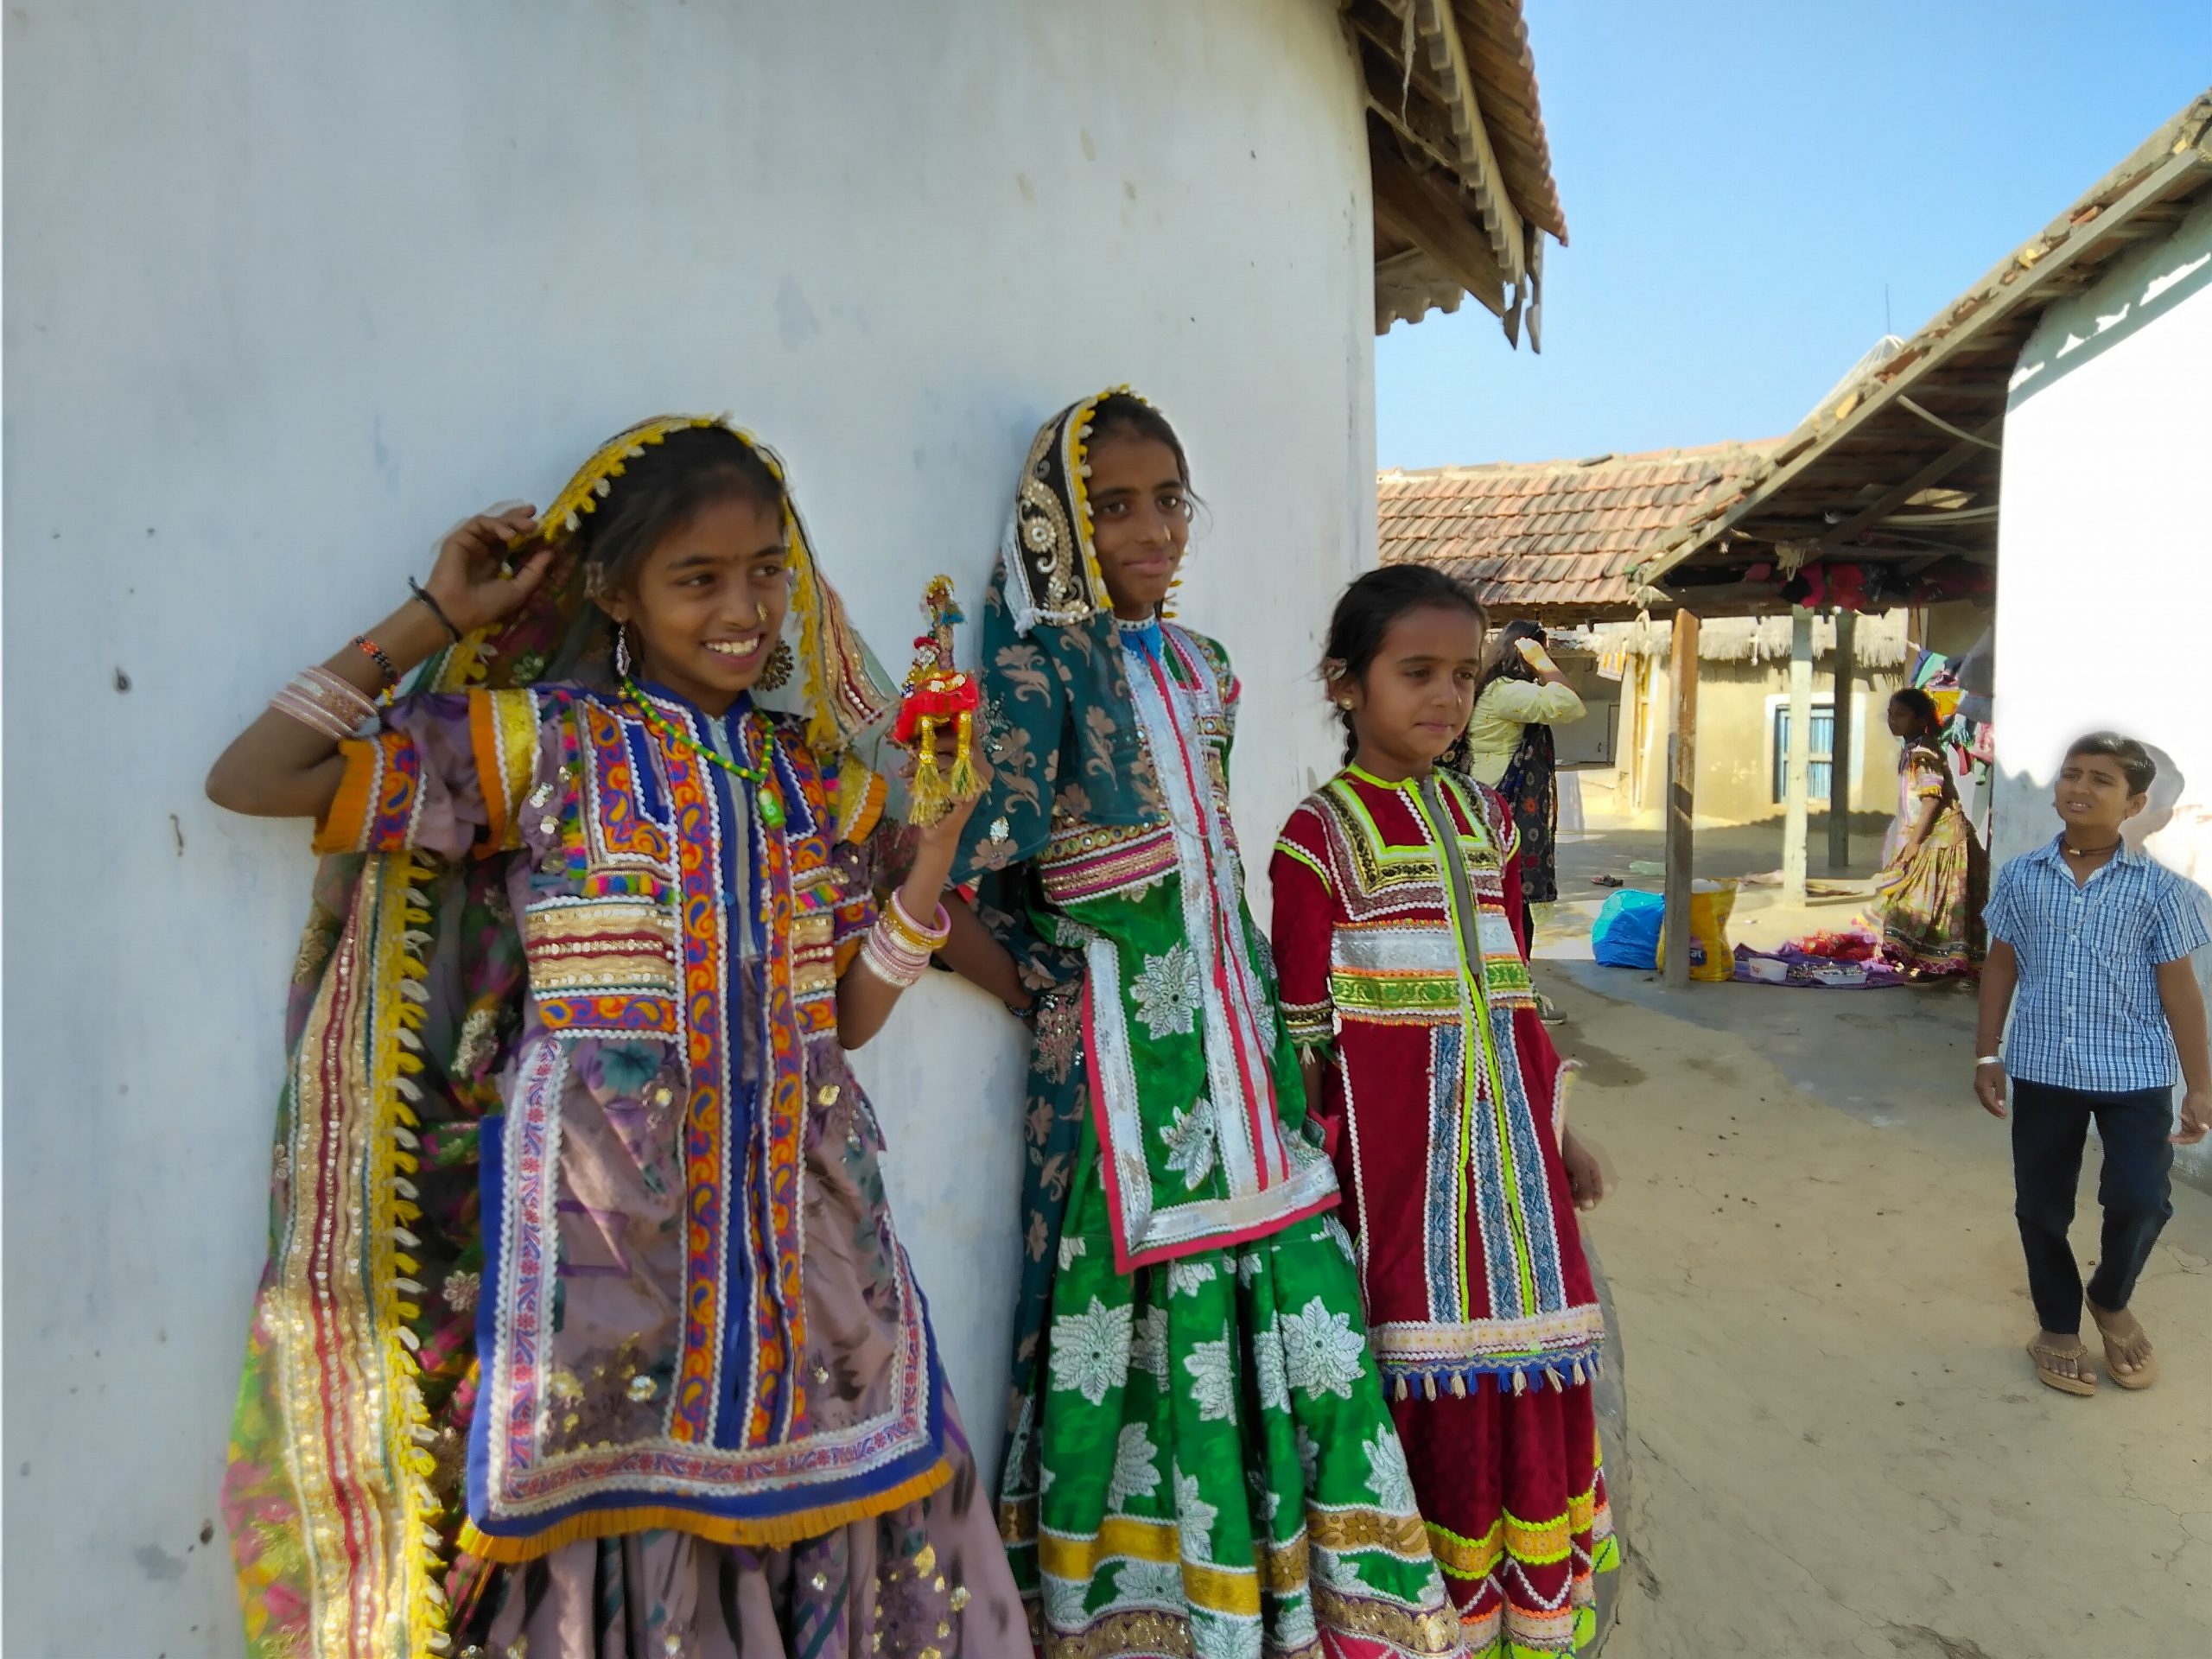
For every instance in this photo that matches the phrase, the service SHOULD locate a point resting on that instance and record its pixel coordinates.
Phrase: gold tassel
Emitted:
(962, 784)
(930, 802)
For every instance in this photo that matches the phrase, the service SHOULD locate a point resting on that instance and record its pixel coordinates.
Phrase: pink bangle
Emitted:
(893, 962)
(338, 695)
(928, 940)
(310, 713)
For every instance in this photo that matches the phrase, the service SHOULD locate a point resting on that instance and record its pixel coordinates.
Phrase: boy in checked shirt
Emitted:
(2095, 937)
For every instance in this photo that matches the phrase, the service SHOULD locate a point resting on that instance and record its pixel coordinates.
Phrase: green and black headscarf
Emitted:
(1061, 727)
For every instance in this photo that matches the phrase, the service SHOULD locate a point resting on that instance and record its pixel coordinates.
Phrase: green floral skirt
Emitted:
(1200, 1460)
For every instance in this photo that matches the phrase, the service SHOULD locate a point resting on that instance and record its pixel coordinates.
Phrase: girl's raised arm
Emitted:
(286, 764)
(979, 958)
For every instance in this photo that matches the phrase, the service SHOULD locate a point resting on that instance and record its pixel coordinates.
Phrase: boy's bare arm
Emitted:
(2000, 976)
(2183, 999)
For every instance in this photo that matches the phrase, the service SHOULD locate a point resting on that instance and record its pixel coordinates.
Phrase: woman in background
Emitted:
(1523, 695)
(1931, 867)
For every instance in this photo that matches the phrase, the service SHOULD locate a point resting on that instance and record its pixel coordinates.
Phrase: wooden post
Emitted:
(1843, 760)
(1682, 796)
(1798, 771)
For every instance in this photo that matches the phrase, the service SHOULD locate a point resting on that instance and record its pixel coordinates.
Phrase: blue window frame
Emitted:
(1818, 787)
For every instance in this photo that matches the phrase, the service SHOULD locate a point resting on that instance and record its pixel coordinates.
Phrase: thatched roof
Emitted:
(1462, 170)
(1880, 642)
(1900, 466)
(1552, 539)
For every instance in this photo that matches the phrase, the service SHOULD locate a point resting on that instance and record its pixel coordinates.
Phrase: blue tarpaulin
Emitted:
(1626, 933)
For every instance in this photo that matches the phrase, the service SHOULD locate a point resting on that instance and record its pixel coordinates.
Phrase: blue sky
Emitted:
(1741, 179)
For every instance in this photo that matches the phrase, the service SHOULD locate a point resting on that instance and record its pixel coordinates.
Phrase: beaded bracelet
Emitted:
(368, 648)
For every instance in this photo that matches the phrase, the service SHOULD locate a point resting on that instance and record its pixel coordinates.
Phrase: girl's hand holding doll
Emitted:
(917, 918)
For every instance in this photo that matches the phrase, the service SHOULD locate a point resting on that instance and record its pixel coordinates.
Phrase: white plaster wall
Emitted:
(2105, 551)
(291, 289)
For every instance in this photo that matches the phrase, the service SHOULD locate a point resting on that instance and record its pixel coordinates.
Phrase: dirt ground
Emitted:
(1838, 1445)
(1837, 1440)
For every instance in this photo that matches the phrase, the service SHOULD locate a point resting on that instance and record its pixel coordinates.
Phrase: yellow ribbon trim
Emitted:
(774, 1532)
(503, 730)
(1209, 1588)
(1537, 1542)
(345, 822)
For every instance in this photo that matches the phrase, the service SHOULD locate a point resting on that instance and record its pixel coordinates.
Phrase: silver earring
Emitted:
(622, 650)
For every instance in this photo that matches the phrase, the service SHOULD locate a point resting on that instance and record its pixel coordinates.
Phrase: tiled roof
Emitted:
(1555, 536)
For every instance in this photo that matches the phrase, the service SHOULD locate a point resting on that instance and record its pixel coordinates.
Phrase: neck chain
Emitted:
(2091, 852)
(769, 806)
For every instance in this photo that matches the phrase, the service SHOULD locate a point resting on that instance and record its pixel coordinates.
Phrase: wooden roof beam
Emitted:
(1773, 532)
(1406, 113)
(1432, 224)
(1437, 29)
(1969, 446)
(1486, 180)
(1943, 425)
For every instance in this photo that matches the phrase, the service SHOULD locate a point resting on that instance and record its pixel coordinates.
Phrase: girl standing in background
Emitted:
(1932, 867)
(1521, 697)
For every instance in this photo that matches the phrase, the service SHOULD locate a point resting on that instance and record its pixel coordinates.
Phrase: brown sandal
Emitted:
(2146, 1365)
(2064, 1382)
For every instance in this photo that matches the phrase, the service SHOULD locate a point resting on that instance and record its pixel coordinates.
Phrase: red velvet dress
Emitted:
(1397, 915)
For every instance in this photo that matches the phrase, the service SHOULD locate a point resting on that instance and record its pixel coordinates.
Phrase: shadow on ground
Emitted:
(1839, 1447)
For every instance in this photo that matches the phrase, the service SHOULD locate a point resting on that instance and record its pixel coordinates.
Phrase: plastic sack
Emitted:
(1711, 903)
(1626, 933)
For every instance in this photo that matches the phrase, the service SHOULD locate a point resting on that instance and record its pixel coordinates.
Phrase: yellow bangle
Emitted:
(910, 932)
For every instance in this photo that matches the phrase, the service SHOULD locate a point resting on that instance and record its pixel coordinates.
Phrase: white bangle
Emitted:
(338, 697)
(893, 962)
(294, 704)
(1988, 1060)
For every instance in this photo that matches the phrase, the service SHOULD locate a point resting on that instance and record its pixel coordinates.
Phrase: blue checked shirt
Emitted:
(2087, 1014)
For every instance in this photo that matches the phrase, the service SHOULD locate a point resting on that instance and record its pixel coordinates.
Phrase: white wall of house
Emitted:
(291, 288)
(2105, 550)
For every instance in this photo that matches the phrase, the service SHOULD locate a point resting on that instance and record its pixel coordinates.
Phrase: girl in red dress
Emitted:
(1397, 895)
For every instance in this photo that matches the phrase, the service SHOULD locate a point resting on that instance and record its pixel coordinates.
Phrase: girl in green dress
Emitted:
(1199, 1459)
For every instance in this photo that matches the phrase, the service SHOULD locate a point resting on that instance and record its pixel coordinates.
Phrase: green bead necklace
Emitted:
(771, 806)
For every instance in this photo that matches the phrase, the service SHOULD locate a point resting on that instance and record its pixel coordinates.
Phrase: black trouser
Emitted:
(2049, 1126)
